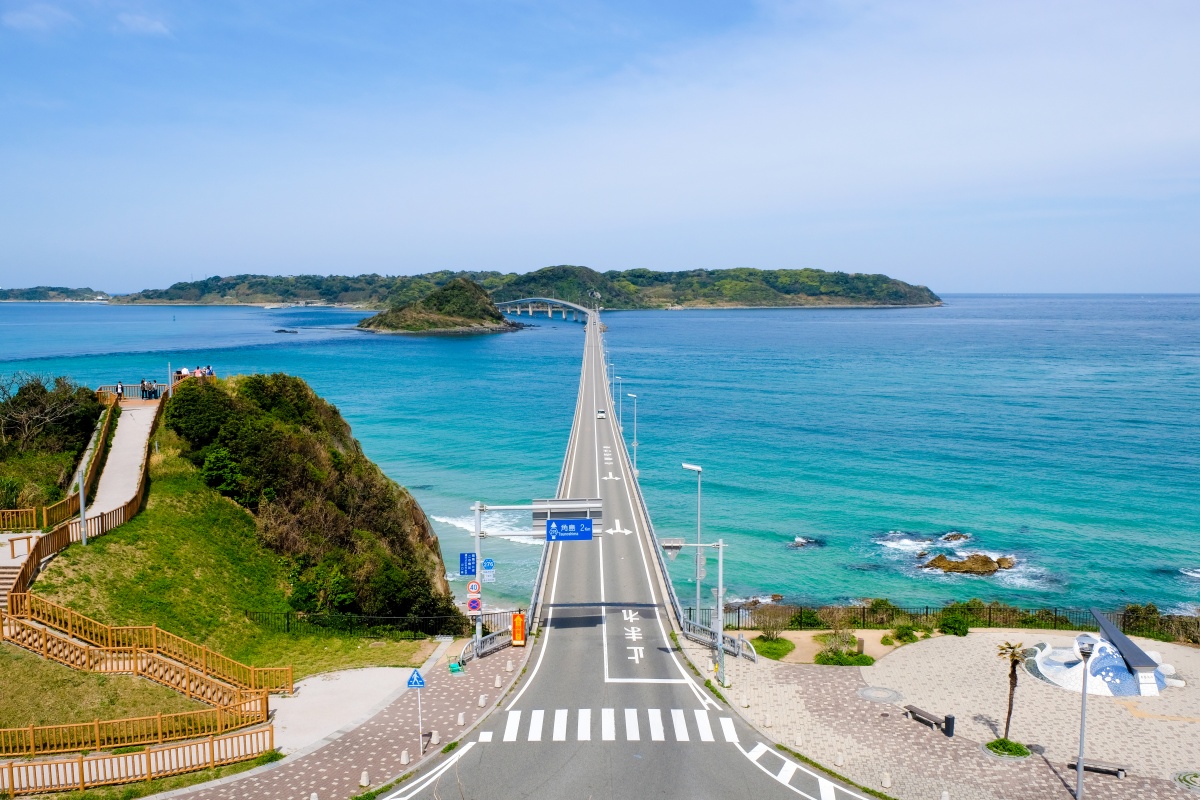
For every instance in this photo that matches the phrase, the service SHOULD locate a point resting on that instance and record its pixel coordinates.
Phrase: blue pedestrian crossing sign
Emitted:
(466, 563)
(415, 681)
(568, 530)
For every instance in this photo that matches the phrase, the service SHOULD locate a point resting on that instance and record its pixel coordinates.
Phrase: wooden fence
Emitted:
(66, 508)
(149, 639)
(18, 519)
(19, 778)
(108, 734)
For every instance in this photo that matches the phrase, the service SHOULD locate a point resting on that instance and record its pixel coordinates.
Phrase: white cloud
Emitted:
(141, 25)
(36, 18)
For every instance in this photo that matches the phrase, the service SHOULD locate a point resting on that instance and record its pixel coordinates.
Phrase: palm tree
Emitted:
(1013, 652)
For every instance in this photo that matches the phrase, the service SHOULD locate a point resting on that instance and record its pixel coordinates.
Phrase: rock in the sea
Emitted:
(776, 598)
(974, 564)
(922, 554)
(955, 536)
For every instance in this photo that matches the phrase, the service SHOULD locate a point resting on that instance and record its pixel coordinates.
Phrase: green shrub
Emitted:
(1007, 747)
(887, 641)
(954, 625)
(840, 658)
(774, 649)
(805, 619)
(905, 634)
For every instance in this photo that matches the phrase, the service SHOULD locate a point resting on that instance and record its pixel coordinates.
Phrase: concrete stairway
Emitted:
(8, 574)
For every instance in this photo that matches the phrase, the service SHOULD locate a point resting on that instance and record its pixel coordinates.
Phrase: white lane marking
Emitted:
(560, 725)
(756, 752)
(786, 771)
(485, 736)
(789, 768)
(535, 725)
(546, 636)
(631, 725)
(511, 726)
(610, 477)
(603, 611)
(702, 725)
(608, 724)
(616, 528)
(584, 733)
(656, 725)
(826, 789)
(420, 786)
(644, 680)
(728, 729)
(680, 723)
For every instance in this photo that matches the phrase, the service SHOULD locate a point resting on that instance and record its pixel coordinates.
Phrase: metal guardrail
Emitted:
(488, 644)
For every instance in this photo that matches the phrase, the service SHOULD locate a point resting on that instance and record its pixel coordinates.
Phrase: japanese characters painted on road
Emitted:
(474, 606)
(568, 530)
(518, 629)
(415, 681)
(466, 564)
(473, 588)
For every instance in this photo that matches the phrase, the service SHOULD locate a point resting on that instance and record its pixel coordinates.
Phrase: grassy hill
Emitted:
(459, 306)
(50, 294)
(635, 288)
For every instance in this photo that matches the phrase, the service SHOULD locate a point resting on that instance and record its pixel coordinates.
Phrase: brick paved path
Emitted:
(816, 711)
(333, 771)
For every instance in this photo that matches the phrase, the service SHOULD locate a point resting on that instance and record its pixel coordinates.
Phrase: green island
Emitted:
(628, 289)
(460, 306)
(51, 294)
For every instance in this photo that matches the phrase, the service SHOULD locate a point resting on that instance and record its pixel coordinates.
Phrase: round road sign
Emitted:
(474, 604)
(473, 587)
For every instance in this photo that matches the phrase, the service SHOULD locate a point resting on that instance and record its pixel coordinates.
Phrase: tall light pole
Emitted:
(620, 406)
(1085, 649)
(699, 553)
(672, 547)
(635, 441)
(478, 509)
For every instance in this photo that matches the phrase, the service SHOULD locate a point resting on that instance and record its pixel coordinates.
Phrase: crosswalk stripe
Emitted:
(702, 724)
(656, 725)
(560, 725)
(728, 729)
(584, 734)
(680, 722)
(535, 725)
(631, 724)
(608, 724)
(511, 726)
(756, 752)
(786, 772)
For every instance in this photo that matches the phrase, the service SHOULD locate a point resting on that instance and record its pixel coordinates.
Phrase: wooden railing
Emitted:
(149, 639)
(18, 519)
(64, 509)
(19, 778)
(107, 734)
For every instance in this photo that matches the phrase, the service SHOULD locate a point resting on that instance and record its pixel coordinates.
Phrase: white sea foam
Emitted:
(1191, 573)
(513, 527)
(905, 542)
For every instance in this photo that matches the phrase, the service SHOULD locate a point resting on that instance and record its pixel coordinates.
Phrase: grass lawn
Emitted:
(52, 694)
(191, 563)
(773, 648)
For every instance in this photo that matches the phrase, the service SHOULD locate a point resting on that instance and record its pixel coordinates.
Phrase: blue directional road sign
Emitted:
(489, 563)
(568, 530)
(415, 681)
(466, 563)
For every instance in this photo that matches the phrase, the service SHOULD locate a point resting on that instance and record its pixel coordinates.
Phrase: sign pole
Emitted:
(478, 537)
(720, 612)
(420, 727)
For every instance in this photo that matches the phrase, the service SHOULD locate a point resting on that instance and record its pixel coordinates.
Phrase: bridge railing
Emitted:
(488, 644)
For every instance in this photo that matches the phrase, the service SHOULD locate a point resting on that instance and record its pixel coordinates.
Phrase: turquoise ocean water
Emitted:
(1061, 430)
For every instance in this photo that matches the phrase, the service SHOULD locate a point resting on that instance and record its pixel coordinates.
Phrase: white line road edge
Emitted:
(413, 791)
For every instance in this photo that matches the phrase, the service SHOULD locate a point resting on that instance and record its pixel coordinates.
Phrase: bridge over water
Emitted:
(547, 305)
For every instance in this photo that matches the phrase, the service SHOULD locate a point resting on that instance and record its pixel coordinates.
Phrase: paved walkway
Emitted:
(119, 480)
(817, 711)
(332, 767)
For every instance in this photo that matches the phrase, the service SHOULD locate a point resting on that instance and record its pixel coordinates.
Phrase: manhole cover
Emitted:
(1189, 780)
(878, 694)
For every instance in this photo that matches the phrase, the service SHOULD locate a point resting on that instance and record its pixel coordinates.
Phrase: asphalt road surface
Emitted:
(607, 708)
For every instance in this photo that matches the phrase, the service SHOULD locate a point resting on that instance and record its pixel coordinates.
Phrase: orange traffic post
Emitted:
(518, 629)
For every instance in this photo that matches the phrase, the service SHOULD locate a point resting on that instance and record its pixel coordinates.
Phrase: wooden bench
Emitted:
(1090, 765)
(944, 724)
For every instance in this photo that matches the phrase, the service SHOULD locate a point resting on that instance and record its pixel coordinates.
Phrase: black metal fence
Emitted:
(358, 625)
(1139, 622)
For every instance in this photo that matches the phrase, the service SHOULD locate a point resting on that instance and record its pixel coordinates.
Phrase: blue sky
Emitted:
(1015, 146)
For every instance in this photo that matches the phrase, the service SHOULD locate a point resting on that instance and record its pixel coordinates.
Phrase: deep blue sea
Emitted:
(1061, 430)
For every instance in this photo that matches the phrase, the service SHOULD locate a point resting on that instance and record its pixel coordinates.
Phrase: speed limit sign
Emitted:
(473, 587)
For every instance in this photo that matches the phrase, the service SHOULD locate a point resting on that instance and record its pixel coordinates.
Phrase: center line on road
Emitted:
(656, 725)
(608, 724)
(510, 727)
(560, 725)
(631, 724)
(535, 725)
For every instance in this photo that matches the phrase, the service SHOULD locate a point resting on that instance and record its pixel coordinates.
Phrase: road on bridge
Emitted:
(608, 708)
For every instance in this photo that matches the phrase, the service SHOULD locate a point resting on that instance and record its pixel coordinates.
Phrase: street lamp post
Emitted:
(1086, 647)
(635, 441)
(620, 406)
(699, 553)
(672, 547)
(478, 509)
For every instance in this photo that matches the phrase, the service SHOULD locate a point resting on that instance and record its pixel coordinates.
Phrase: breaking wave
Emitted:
(513, 527)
